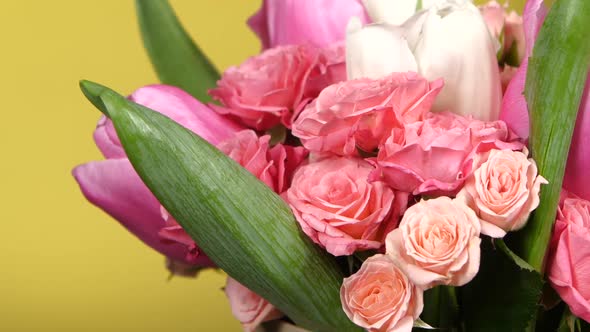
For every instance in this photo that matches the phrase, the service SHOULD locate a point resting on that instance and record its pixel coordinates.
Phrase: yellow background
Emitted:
(65, 265)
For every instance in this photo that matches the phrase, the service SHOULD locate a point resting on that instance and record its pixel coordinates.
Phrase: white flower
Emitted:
(449, 39)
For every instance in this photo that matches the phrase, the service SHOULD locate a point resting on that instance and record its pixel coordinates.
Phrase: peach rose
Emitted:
(437, 242)
(267, 88)
(503, 190)
(435, 155)
(248, 307)
(273, 166)
(569, 254)
(363, 112)
(379, 297)
(339, 209)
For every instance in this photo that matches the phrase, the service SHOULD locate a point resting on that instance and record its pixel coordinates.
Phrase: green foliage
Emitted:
(176, 58)
(244, 227)
(504, 295)
(555, 81)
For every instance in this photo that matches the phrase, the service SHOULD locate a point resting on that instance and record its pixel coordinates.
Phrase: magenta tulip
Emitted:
(315, 22)
(114, 186)
(515, 113)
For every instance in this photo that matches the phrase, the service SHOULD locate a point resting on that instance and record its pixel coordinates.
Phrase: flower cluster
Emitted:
(390, 142)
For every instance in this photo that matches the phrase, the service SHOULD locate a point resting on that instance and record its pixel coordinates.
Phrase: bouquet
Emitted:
(381, 165)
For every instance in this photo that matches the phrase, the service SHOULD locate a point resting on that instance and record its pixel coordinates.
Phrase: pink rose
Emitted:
(329, 69)
(248, 307)
(503, 190)
(437, 242)
(266, 89)
(363, 113)
(114, 186)
(435, 155)
(315, 22)
(339, 210)
(569, 255)
(379, 297)
(273, 166)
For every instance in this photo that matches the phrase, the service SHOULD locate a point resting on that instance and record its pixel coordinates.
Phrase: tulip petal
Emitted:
(514, 107)
(376, 50)
(106, 139)
(187, 111)
(315, 22)
(393, 12)
(113, 186)
(577, 174)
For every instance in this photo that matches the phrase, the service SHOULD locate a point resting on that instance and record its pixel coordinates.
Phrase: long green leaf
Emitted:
(175, 57)
(242, 225)
(555, 81)
(503, 296)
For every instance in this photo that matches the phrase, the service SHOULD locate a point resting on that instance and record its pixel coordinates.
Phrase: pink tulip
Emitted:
(114, 186)
(515, 113)
(315, 22)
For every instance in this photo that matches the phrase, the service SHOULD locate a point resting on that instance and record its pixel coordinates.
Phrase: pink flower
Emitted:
(248, 307)
(266, 89)
(505, 27)
(503, 190)
(315, 22)
(339, 210)
(273, 166)
(569, 258)
(437, 242)
(515, 111)
(379, 297)
(362, 113)
(329, 69)
(435, 155)
(114, 186)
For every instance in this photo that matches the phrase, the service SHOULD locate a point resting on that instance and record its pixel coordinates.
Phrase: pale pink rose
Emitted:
(248, 307)
(569, 255)
(272, 165)
(437, 242)
(503, 190)
(266, 89)
(363, 112)
(315, 22)
(379, 297)
(339, 209)
(435, 155)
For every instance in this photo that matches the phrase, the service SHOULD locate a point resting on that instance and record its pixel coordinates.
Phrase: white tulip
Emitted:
(390, 11)
(455, 44)
(449, 40)
(376, 50)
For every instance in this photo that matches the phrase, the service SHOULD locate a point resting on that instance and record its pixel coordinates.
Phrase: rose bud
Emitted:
(503, 190)
(437, 243)
(380, 297)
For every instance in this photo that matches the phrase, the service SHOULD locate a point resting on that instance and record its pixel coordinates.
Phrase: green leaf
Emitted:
(244, 227)
(555, 81)
(503, 296)
(175, 57)
(441, 309)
